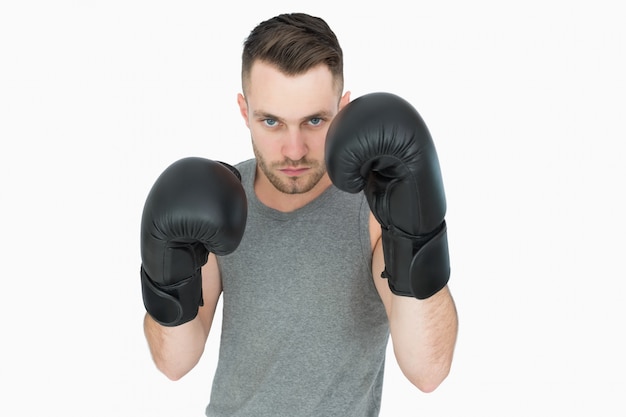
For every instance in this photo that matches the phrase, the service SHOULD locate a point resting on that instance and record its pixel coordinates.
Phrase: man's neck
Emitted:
(277, 200)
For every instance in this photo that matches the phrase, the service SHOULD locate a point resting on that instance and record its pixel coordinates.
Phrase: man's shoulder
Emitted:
(246, 163)
(246, 167)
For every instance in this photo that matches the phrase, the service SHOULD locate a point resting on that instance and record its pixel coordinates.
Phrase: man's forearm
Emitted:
(175, 350)
(424, 335)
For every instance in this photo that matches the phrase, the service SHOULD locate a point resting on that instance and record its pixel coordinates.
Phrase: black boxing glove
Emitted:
(380, 144)
(196, 206)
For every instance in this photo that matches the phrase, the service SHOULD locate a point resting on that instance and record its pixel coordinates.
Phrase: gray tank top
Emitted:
(304, 332)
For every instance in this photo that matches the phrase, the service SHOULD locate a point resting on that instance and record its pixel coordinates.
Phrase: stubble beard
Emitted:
(291, 185)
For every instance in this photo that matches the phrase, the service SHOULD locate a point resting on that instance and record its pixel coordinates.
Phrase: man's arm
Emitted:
(176, 350)
(195, 210)
(379, 144)
(423, 332)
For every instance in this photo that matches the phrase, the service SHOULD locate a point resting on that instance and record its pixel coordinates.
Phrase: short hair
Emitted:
(294, 43)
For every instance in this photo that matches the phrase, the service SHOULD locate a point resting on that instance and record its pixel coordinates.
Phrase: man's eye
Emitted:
(315, 121)
(270, 122)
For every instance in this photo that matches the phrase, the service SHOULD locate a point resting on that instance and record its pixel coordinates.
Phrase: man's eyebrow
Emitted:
(322, 114)
(259, 114)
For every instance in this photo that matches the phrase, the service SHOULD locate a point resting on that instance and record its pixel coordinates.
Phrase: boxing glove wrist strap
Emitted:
(416, 266)
(175, 304)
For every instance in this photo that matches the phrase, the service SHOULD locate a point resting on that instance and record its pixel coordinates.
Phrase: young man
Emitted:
(298, 261)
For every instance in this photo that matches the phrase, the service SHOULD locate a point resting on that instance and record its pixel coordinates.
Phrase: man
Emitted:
(310, 297)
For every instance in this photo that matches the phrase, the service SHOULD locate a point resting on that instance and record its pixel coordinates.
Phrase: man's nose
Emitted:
(294, 146)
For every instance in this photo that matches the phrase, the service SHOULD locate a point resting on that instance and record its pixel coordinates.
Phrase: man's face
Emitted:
(288, 117)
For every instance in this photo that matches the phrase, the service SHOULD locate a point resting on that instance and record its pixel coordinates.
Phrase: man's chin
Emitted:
(298, 185)
(294, 186)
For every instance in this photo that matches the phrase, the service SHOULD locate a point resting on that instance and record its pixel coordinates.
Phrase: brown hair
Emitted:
(294, 43)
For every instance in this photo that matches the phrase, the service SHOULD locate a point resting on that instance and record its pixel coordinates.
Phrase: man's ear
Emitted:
(345, 99)
(243, 108)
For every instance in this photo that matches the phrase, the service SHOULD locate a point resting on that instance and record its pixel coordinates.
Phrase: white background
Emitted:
(525, 102)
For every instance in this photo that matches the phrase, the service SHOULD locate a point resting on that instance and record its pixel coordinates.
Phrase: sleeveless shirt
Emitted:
(304, 331)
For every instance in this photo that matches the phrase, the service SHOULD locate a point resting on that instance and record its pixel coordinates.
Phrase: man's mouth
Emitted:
(293, 171)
